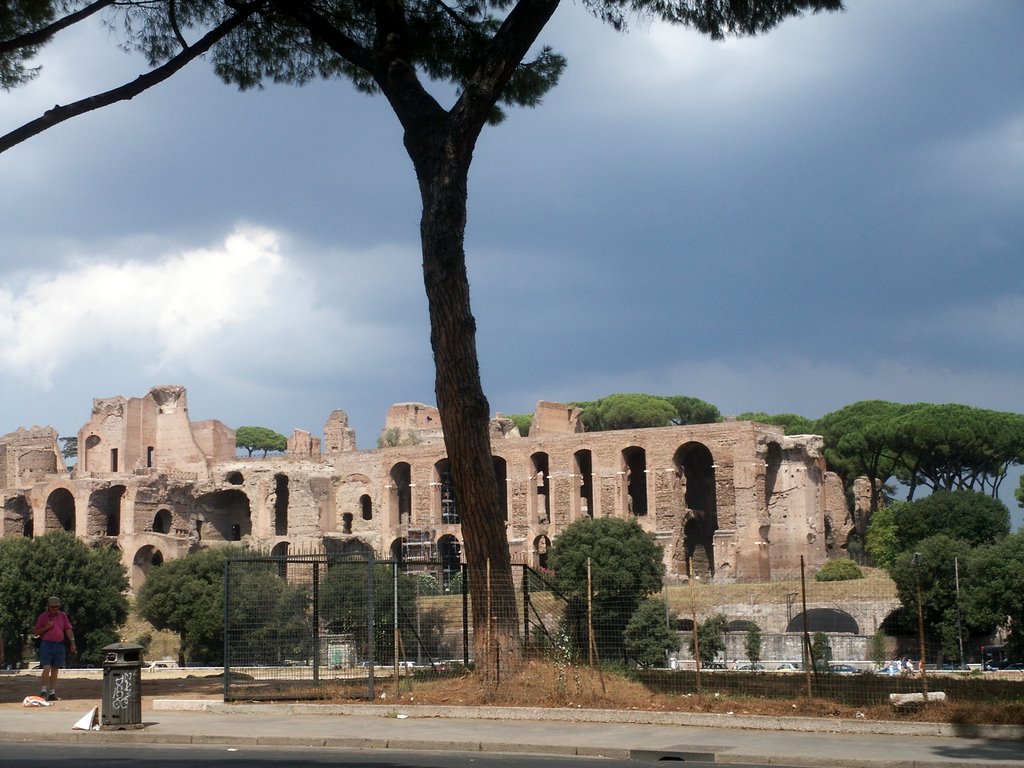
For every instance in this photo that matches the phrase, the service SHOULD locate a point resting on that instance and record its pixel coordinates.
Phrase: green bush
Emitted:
(839, 570)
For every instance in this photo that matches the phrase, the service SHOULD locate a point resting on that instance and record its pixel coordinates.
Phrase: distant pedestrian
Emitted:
(52, 628)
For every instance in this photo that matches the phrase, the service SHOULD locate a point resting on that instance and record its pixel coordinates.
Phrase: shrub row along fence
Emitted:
(324, 626)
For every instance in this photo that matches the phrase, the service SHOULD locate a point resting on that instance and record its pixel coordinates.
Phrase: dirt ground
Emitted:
(540, 685)
(75, 692)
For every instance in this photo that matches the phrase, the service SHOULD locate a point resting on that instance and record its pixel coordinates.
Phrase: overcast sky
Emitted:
(829, 213)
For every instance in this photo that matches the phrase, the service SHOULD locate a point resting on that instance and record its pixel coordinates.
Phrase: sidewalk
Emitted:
(806, 742)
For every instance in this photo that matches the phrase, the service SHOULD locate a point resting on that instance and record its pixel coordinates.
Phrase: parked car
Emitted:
(843, 669)
(891, 669)
(750, 668)
(787, 666)
(713, 665)
(1016, 666)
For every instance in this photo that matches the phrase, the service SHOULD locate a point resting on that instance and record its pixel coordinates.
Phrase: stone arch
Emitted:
(104, 515)
(17, 517)
(742, 625)
(90, 456)
(540, 485)
(541, 547)
(583, 469)
(60, 510)
(366, 506)
(400, 496)
(446, 499)
(824, 620)
(449, 550)
(398, 551)
(228, 513)
(146, 558)
(634, 465)
(772, 463)
(280, 550)
(162, 520)
(280, 506)
(353, 546)
(501, 474)
(695, 470)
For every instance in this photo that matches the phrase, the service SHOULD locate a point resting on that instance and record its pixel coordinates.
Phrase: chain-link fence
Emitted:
(327, 626)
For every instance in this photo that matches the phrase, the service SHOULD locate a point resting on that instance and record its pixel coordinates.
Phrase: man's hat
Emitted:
(53, 601)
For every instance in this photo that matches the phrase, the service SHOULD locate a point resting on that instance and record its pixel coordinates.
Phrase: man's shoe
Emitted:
(53, 697)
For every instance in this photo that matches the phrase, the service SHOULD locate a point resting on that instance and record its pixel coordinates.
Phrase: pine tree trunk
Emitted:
(442, 167)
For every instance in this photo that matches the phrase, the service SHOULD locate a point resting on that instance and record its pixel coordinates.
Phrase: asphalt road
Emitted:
(15, 755)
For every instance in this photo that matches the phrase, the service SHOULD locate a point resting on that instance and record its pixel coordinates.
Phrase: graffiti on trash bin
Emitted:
(122, 692)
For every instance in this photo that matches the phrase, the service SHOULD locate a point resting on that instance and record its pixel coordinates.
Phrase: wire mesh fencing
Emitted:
(328, 626)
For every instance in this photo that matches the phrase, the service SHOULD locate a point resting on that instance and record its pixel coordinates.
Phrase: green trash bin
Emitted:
(121, 707)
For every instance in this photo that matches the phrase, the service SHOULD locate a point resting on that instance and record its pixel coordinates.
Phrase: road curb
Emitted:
(632, 717)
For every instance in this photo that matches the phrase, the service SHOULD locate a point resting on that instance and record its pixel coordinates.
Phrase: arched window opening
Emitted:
(585, 475)
(162, 521)
(772, 462)
(447, 498)
(541, 545)
(280, 550)
(695, 470)
(60, 510)
(401, 493)
(501, 475)
(450, 552)
(280, 499)
(634, 462)
(227, 513)
(541, 486)
(145, 559)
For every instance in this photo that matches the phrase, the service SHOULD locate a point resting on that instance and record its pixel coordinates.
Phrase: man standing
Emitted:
(52, 628)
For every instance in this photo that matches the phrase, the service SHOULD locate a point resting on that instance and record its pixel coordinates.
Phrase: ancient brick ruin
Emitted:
(731, 501)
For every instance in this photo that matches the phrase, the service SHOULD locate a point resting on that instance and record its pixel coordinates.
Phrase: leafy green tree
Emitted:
(821, 651)
(860, 441)
(711, 637)
(693, 410)
(1019, 492)
(91, 582)
(345, 594)
(269, 618)
(647, 638)
(881, 540)
(953, 447)
(523, 422)
(752, 644)
(186, 596)
(68, 447)
(477, 53)
(634, 411)
(839, 570)
(626, 567)
(992, 591)
(932, 565)
(260, 439)
(967, 515)
(792, 423)
(879, 649)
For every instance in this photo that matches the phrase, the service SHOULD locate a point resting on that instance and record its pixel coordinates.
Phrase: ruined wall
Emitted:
(734, 500)
(28, 456)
